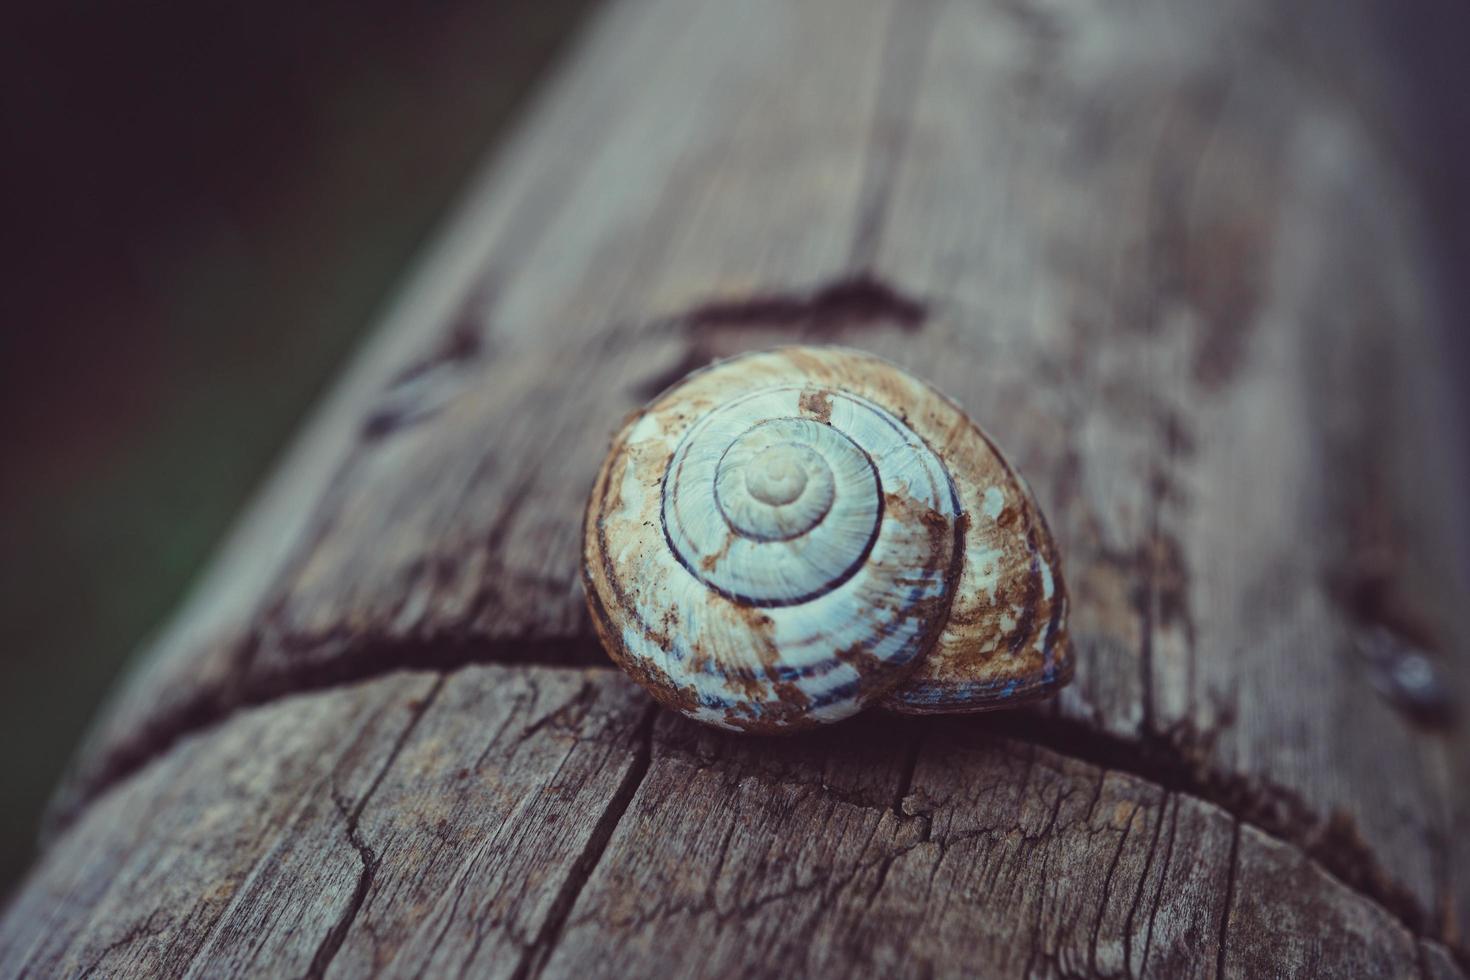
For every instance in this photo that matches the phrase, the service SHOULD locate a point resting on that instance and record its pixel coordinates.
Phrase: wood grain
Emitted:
(381, 825)
(512, 821)
(1169, 256)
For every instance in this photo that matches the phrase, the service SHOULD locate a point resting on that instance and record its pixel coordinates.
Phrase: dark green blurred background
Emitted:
(210, 202)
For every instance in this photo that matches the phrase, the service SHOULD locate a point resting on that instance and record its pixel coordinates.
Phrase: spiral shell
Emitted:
(785, 538)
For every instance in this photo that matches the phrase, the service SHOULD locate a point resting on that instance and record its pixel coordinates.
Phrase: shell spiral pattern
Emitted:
(785, 538)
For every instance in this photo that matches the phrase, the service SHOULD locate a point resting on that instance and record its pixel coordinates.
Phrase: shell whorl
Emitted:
(771, 507)
(779, 541)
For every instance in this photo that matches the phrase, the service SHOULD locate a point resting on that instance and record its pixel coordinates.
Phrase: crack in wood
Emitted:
(906, 776)
(1168, 760)
(360, 659)
(1153, 912)
(829, 308)
(1232, 867)
(1148, 864)
(142, 931)
(334, 938)
(1108, 877)
(541, 947)
(862, 298)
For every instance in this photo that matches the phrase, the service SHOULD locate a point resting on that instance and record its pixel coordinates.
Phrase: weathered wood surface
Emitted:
(1166, 254)
(503, 820)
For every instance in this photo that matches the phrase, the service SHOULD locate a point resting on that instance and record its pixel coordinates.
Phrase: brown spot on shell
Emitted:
(708, 562)
(861, 659)
(944, 536)
(817, 404)
(649, 677)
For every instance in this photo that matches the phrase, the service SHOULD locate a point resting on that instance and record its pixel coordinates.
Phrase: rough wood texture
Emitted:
(1165, 253)
(500, 821)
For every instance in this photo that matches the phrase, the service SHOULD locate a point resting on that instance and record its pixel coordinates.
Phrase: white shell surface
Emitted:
(786, 537)
(777, 555)
(771, 508)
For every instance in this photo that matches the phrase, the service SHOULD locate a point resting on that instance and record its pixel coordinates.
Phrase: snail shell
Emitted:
(785, 538)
